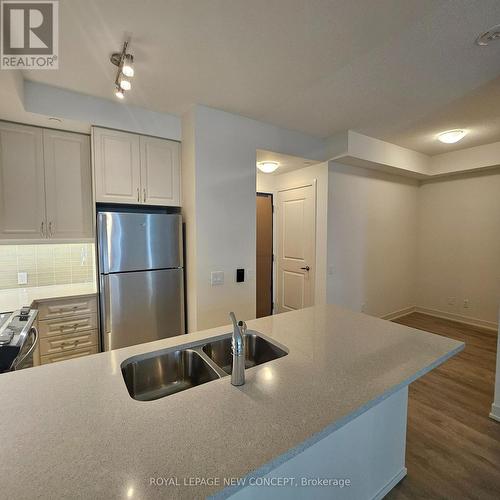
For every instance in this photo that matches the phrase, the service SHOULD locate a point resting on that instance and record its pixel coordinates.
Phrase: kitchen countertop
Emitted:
(71, 429)
(15, 298)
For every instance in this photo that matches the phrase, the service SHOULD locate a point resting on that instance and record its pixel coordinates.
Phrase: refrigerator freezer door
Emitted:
(137, 241)
(141, 307)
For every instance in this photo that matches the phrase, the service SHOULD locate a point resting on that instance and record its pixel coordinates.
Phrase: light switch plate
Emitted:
(217, 278)
(22, 278)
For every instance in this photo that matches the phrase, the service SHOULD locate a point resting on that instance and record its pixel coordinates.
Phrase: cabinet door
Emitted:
(160, 172)
(68, 185)
(116, 166)
(22, 192)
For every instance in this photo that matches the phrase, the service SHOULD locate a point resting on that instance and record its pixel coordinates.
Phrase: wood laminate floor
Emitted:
(453, 447)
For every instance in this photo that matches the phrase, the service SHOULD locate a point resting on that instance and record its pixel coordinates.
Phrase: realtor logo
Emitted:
(30, 34)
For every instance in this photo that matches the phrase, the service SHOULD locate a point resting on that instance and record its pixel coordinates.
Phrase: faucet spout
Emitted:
(238, 351)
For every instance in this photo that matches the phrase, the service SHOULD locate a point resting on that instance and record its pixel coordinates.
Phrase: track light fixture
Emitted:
(125, 63)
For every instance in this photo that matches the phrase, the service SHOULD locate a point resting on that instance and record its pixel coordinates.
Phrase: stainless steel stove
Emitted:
(18, 339)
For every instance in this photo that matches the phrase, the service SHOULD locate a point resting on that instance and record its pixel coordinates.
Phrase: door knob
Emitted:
(306, 268)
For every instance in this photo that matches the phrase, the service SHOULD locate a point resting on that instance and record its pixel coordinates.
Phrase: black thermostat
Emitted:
(240, 275)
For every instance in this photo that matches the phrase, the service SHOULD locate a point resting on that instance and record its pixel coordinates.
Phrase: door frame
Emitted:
(273, 261)
(313, 183)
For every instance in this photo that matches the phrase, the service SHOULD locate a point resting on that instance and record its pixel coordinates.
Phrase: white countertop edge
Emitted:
(61, 297)
(329, 429)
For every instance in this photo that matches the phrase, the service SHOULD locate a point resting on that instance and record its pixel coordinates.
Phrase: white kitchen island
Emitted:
(333, 410)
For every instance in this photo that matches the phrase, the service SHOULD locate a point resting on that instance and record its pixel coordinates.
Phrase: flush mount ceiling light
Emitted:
(125, 63)
(268, 167)
(488, 36)
(452, 136)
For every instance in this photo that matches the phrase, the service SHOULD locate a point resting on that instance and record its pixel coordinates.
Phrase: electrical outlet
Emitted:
(217, 278)
(466, 304)
(452, 301)
(22, 278)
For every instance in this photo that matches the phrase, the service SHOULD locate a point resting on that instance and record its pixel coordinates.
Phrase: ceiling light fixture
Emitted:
(128, 68)
(451, 136)
(488, 36)
(125, 63)
(125, 84)
(268, 167)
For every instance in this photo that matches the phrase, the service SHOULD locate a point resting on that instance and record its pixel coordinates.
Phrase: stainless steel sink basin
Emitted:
(257, 351)
(157, 375)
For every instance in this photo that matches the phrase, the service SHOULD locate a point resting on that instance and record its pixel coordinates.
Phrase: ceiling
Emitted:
(398, 70)
(478, 112)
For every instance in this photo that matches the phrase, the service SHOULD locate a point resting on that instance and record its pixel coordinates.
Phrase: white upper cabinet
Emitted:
(68, 185)
(117, 168)
(160, 172)
(22, 190)
(134, 169)
(45, 184)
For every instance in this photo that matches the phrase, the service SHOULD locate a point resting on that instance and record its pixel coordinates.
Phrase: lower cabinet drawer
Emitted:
(71, 306)
(76, 353)
(67, 326)
(63, 343)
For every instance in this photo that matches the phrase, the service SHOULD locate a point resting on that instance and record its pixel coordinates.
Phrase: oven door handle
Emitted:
(18, 362)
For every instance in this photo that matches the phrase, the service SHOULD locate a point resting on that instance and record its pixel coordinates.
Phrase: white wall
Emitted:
(372, 240)
(459, 246)
(224, 203)
(66, 104)
(296, 178)
(479, 157)
(188, 184)
(265, 183)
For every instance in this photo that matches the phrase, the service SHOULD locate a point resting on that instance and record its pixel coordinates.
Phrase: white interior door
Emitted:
(296, 226)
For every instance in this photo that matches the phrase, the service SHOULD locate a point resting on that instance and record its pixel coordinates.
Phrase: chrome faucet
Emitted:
(238, 350)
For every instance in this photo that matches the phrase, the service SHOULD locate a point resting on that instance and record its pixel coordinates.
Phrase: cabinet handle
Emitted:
(138, 195)
(41, 229)
(50, 229)
(144, 194)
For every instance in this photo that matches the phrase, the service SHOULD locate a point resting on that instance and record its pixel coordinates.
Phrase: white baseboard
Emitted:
(467, 320)
(399, 314)
(388, 487)
(495, 412)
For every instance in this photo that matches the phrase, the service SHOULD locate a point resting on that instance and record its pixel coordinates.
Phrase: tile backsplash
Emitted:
(59, 264)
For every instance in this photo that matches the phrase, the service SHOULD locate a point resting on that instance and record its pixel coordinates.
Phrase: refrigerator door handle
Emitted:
(105, 303)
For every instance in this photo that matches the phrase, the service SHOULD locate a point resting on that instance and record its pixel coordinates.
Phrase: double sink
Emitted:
(163, 373)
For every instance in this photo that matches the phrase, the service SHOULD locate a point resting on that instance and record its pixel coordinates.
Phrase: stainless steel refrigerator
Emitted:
(141, 278)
